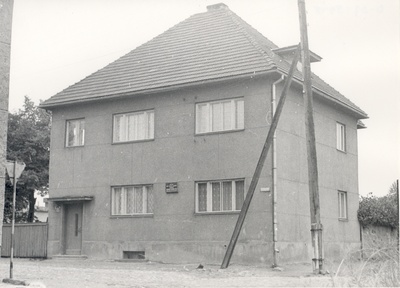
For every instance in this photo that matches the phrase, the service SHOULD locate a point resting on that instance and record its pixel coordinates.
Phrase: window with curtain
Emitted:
(219, 116)
(75, 133)
(133, 126)
(219, 196)
(131, 200)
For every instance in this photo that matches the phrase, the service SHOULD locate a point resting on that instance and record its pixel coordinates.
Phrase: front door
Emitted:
(73, 229)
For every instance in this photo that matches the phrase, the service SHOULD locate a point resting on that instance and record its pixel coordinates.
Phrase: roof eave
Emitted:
(327, 96)
(50, 105)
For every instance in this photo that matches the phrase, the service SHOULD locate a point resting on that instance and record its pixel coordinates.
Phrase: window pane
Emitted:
(119, 134)
(138, 200)
(239, 194)
(150, 125)
(227, 196)
(216, 196)
(216, 112)
(202, 191)
(150, 202)
(239, 114)
(202, 118)
(81, 137)
(134, 126)
(117, 201)
(227, 115)
(340, 137)
(130, 200)
(72, 133)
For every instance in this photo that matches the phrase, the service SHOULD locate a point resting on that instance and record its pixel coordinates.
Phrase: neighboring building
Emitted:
(154, 153)
(41, 207)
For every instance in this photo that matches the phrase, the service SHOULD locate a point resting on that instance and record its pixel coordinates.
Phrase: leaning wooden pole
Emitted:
(316, 226)
(260, 164)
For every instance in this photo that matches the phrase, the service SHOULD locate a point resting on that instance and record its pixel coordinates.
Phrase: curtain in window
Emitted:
(239, 114)
(138, 200)
(130, 200)
(202, 191)
(227, 196)
(150, 125)
(150, 202)
(216, 196)
(216, 114)
(239, 194)
(227, 115)
(117, 201)
(75, 133)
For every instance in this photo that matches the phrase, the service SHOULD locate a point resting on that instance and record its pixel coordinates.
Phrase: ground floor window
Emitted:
(131, 200)
(342, 205)
(219, 196)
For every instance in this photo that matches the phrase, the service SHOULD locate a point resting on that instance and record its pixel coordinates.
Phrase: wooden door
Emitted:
(73, 229)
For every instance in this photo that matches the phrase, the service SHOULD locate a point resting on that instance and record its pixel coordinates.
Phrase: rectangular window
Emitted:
(342, 205)
(131, 200)
(133, 126)
(75, 133)
(341, 137)
(221, 115)
(219, 196)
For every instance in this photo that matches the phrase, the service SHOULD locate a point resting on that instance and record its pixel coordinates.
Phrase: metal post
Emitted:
(316, 226)
(13, 220)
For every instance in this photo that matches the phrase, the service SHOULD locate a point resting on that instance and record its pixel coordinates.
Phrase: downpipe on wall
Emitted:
(274, 177)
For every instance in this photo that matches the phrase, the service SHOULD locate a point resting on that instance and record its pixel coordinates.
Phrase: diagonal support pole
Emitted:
(260, 164)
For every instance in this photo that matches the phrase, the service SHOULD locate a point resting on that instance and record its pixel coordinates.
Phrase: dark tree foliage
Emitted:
(28, 140)
(381, 211)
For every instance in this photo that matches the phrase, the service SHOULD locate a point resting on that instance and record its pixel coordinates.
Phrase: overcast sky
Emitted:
(56, 43)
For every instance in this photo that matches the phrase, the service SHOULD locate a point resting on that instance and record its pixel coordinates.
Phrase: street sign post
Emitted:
(14, 170)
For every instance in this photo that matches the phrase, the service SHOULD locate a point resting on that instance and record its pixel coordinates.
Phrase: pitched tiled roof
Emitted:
(207, 46)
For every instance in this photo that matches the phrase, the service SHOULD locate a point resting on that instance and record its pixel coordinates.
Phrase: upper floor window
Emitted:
(341, 137)
(133, 126)
(219, 196)
(342, 205)
(130, 200)
(221, 115)
(75, 133)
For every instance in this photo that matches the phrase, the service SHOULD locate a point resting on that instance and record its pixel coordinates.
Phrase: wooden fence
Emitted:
(30, 240)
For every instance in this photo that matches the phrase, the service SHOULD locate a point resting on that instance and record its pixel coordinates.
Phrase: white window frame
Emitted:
(78, 133)
(148, 129)
(236, 123)
(342, 205)
(147, 195)
(340, 137)
(209, 205)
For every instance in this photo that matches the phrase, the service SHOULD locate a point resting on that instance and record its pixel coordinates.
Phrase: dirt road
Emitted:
(67, 273)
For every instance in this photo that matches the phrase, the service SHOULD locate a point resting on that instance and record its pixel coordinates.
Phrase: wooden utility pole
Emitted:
(260, 164)
(316, 226)
(398, 216)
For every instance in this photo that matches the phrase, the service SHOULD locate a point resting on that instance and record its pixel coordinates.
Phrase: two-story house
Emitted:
(151, 156)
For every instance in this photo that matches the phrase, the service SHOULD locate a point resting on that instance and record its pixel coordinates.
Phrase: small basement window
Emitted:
(134, 255)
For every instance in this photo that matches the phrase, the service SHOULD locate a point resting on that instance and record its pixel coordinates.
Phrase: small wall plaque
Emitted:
(171, 187)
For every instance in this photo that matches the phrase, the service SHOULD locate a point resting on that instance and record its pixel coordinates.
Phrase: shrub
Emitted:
(381, 211)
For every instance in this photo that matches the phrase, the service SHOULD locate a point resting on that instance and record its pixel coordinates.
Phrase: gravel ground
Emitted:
(98, 274)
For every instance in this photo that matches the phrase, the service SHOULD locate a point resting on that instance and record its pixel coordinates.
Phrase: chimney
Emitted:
(217, 7)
